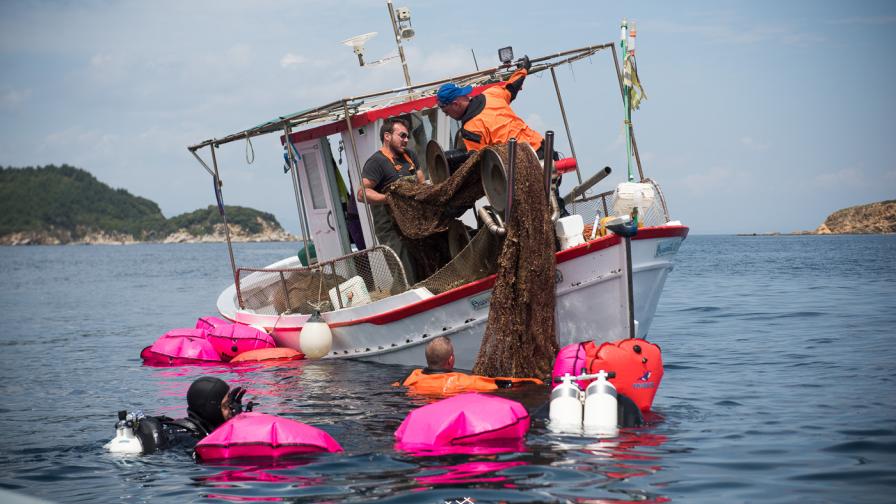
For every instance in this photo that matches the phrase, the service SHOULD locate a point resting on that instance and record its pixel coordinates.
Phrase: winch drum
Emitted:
(494, 177)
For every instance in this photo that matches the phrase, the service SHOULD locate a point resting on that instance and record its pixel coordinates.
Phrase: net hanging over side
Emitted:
(520, 339)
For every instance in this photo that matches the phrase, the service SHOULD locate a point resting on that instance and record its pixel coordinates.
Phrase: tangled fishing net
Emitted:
(519, 339)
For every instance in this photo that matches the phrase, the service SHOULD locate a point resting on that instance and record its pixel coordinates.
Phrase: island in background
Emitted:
(55, 205)
(873, 218)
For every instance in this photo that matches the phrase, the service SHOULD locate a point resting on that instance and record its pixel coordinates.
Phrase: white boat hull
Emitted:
(591, 304)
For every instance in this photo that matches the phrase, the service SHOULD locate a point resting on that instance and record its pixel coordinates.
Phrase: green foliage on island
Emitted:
(70, 202)
(203, 221)
(65, 197)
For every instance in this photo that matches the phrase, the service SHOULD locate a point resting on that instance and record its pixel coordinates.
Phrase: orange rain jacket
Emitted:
(489, 120)
(455, 382)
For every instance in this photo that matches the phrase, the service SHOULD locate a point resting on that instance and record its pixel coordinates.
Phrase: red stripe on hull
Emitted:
(488, 282)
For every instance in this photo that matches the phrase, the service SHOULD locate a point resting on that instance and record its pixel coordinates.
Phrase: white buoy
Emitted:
(316, 339)
(125, 440)
(601, 415)
(566, 407)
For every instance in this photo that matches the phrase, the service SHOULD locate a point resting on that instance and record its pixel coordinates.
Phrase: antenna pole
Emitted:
(404, 64)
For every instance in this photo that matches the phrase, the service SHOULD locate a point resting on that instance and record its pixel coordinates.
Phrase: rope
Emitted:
(249, 150)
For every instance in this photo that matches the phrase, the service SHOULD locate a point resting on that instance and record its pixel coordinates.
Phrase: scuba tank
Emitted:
(566, 406)
(601, 413)
(599, 416)
(136, 433)
(126, 441)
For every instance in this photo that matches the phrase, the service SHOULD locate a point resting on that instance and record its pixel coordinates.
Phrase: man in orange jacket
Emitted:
(487, 119)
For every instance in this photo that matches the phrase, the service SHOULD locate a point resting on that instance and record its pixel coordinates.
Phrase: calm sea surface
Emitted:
(780, 386)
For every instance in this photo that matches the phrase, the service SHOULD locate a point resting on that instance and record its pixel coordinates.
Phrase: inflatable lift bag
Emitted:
(181, 346)
(465, 419)
(254, 435)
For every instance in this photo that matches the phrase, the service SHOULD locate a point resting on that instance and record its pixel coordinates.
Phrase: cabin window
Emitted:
(313, 171)
(424, 127)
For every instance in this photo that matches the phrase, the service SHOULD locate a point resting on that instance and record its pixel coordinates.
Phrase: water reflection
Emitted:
(469, 472)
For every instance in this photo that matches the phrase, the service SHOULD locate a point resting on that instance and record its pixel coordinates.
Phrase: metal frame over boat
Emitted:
(394, 320)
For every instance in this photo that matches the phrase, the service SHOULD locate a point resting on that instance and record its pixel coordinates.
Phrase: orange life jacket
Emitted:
(497, 123)
(456, 382)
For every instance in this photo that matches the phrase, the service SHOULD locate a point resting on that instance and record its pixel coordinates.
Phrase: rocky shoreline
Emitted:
(873, 218)
(269, 233)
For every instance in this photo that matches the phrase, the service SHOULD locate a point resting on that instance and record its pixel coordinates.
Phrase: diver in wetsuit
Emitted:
(210, 403)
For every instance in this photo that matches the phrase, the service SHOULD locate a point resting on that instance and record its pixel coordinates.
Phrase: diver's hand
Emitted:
(524, 63)
(235, 397)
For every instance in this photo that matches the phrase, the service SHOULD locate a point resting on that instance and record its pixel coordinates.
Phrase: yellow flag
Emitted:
(633, 83)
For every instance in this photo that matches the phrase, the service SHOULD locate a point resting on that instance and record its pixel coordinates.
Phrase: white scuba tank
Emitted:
(566, 407)
(125, 441)
(601, 414)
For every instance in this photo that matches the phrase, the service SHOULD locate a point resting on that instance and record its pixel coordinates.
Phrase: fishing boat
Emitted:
(374, 313)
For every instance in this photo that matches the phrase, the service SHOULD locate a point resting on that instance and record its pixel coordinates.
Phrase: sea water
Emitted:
(780, 386)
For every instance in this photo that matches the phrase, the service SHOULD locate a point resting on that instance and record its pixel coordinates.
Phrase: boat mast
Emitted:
(399, 36)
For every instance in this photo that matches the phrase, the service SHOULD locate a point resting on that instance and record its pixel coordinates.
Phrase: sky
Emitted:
(761, 116)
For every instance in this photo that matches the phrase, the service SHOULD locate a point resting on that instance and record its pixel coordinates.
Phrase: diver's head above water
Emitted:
(208, 401)
(440, 354)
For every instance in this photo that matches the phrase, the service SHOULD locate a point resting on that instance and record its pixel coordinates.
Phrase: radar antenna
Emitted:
(357, 44)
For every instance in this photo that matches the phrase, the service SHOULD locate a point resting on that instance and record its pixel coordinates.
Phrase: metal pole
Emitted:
(404, 64)
(209, 170)
(588, 184)
(631, 297)
(548, 162)
(218, 185)
(628, 105)
(618, 71)
(300, 200)
(351, 135)
(566, 123)
(631, 132)
(511, 179)
(324, 111)
(578, 54)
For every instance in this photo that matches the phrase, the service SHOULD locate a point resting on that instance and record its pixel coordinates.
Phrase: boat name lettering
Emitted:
(481, 301)
(668, 247)
(649, 384)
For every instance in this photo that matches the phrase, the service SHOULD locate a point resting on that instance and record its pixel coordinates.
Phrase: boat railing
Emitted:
(351, 280)
(369, 275)
(593, 208)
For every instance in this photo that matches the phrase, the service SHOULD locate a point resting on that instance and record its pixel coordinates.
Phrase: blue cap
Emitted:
(450, 92)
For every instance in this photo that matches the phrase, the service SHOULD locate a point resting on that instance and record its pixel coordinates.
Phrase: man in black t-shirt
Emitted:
(391, 162)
